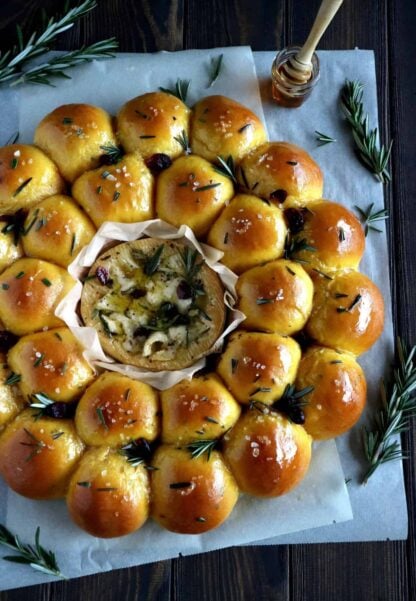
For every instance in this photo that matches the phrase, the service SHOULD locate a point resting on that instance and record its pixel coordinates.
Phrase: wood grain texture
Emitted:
(401, 19)
(373, 571)
(236, 574)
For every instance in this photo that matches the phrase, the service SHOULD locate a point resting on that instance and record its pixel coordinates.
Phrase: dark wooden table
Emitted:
(355, 571)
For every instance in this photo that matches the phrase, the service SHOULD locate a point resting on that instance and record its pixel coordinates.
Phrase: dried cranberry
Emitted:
(7, 340)
(295, 220)
(158, 162)
(61, 410)
(102, 275)
(138, 293)
(279, 195)
(183, 290)
(297, 416)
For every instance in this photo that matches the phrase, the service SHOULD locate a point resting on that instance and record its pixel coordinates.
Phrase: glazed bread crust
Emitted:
(191, 495)
(153, 123)
(27, 176)
(282, 173)
(74, 136)
(249, 232)
(223, 127)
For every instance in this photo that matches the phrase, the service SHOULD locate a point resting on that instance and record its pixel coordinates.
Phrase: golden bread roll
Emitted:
(51, 362)
(10, 249)
(223, 127)
(38, 456)
(153, 123)
(73, 135)
(121, 192)
(201, 408)
(282, 173)
(268, 455)
(27, 176)
(30, 291)
(334, 235)
(249, 232)
(339, 391)
(257, 366)
(276, 297)
(191, 192)
(191, 495)
(115, 410)
(56, 230)
(11, 402)
(108, 496)
(155, 304)
(347, 313)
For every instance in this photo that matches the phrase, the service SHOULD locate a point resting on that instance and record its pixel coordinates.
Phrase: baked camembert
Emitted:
(154, 303)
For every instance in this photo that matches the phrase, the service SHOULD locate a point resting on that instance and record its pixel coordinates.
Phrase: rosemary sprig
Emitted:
(56, 66)
(36, 556)
(200, 447)
(226, 167)
(12, 61)
(13, 139)
(294, 245)
(374, 156)
(183, 140)
(368, 217)
(113, 154)
(40, 401)
(398, 406)
(323, 138)
(180, 90)
(216, 65)
(137, 452)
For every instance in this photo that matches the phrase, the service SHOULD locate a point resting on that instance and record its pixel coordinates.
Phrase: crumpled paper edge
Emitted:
(111, 232)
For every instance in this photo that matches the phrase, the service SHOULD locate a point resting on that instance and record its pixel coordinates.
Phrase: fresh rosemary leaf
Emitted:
(183, 140)
(323, 138)
(22, 186)
(264, 301)
(46, 282)
(180, 90)
(348, 309)
(226, 167)
(15, 136)
(179, 485)
(113, 153)
(137, 452)
(295, 245)
(368, 217)
(398, 405)
(35, 556)
(151, 264)
(100, 414)
(216, 65)
(373, 155)
(13, 378)
(207, 187)
(200, 447)
(73, 243)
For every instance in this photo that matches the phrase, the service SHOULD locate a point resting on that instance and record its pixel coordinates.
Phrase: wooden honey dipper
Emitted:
(298, 69)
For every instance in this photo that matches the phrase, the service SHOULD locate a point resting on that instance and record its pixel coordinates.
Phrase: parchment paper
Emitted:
(321, 499)
(379, 507)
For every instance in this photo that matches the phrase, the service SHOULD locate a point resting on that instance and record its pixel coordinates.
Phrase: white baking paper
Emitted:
(379, 507)
(322, 498)
(110, 233)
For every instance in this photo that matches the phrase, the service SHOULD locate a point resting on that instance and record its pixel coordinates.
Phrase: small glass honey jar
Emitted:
(288, 91)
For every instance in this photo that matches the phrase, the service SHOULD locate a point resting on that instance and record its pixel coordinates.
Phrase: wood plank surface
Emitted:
(372, 571)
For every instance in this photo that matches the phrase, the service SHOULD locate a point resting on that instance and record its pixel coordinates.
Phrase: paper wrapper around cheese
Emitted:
(111, 233)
